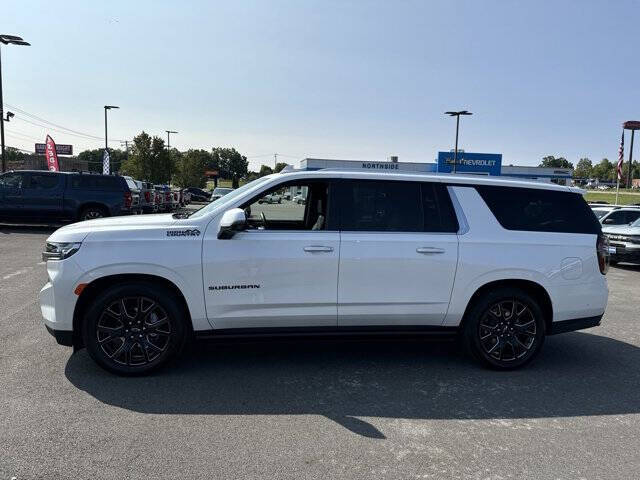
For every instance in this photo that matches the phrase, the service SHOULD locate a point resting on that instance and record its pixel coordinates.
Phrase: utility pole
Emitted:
(275, 161)
(169, 132)
(6, 40)
(455, 152)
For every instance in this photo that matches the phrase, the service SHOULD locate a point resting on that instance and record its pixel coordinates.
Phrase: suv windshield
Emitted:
(230, 197)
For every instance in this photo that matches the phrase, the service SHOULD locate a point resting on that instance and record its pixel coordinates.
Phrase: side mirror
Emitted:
(608, 220)
(232, 221)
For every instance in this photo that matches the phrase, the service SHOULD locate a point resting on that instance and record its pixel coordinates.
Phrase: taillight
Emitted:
(147, 196)
(127, 199)
(602, 250)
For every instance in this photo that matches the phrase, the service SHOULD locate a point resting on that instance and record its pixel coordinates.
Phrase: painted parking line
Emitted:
(17, 272)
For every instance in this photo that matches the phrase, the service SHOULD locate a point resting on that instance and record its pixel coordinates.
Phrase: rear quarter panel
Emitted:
(564, 264)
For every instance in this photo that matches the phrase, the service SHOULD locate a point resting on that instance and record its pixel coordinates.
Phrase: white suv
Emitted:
(499, 263)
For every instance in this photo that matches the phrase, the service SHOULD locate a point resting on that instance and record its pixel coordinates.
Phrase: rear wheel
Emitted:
(505, 329)
(91, 212)
(135, 328)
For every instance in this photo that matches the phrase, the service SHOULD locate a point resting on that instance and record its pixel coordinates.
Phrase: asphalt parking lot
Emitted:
(325, 410)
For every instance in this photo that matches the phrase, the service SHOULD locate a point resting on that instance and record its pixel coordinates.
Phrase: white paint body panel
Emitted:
(367, 279)
(384, 280)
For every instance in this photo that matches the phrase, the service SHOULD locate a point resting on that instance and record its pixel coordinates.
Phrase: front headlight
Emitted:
(59, 251)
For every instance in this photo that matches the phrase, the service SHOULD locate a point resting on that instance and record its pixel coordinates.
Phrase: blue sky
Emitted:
(345, 79)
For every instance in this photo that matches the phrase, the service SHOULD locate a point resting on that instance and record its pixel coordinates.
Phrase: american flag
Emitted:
(621, 157)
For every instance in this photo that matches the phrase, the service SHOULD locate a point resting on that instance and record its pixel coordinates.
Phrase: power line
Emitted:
(52, 124)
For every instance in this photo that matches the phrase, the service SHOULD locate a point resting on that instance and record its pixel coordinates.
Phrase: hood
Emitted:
(77, 232)
(621, 230)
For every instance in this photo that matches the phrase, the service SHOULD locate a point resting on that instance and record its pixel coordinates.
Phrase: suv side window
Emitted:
(96, 182)
(297, 205)
(616, 218)
(396, 206)
(11, 180)
(539, 210)
(43, 181)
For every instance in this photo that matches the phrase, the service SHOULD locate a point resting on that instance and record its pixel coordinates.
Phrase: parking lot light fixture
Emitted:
(457, 115)
(6, 40)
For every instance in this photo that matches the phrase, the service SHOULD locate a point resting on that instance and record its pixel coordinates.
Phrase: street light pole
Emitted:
(169, 132)
(632, 125)
(6, 40)
(455, 152)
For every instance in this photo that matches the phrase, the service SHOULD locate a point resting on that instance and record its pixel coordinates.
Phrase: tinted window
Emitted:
(439, 215)
(539, 210)
(381, 206)
(96, 182)
(11, 180)
(43, 181)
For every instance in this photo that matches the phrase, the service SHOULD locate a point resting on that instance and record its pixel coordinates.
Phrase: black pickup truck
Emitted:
(37, 195)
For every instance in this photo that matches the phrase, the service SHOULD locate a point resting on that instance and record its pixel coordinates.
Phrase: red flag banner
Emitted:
(52, 156)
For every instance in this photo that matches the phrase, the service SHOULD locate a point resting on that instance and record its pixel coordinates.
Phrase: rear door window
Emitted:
(44, 181)
(96, 182)
(539, 210)
(396, 206)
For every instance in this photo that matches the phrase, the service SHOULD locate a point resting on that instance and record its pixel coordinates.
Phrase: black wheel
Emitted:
(613, 262)
(89, 213)
(505, 329)
(134, 328)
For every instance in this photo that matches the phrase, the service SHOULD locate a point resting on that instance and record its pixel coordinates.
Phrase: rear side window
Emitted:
(539, 210)
(44, 181)
(388, 206)
(96, 182)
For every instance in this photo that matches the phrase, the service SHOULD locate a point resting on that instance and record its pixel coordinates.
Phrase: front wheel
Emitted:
(134, 328)
(92, 212)
(505, 329)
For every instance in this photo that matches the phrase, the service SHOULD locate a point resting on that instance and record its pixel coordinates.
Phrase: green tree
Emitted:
(231, 164)
(583, 169)
(555, 162)
(279, 167)
(605, 170)
(190, 167)
(265, 170)
(149, 160)
(94, 159)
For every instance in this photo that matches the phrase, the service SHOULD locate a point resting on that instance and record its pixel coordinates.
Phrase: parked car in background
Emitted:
(601, 211)
(187, 196)
(166, 197)
(624, 242)
(620, 216)
(271, 198)
(219, 192)
(198, 195)
(43, 196)
(136, 207)
(147, 197)
(175, 199)
(300, 199)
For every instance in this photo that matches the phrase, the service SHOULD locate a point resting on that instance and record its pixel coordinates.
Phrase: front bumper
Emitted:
(57, 297)
(63, 337)
(624, 252)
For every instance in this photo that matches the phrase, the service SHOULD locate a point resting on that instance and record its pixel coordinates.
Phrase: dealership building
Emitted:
(468, 163)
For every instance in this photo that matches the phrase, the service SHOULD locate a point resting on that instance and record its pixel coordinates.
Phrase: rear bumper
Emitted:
(575, 324)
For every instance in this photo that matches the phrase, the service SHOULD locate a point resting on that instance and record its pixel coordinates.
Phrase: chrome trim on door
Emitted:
(429, 250)
(318, 248)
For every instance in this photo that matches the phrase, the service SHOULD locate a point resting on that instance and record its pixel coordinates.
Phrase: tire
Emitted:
(92, 212)
(613, 262)
(497, 339)
(156, 330)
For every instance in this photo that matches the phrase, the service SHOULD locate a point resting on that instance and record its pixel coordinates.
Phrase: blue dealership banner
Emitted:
(469, 162)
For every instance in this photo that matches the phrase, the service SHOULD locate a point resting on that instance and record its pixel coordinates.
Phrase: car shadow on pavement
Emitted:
(6, 229)
(576, 374)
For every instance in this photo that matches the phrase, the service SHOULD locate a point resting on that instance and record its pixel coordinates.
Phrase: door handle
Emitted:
(318, 248)
(429, 250)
